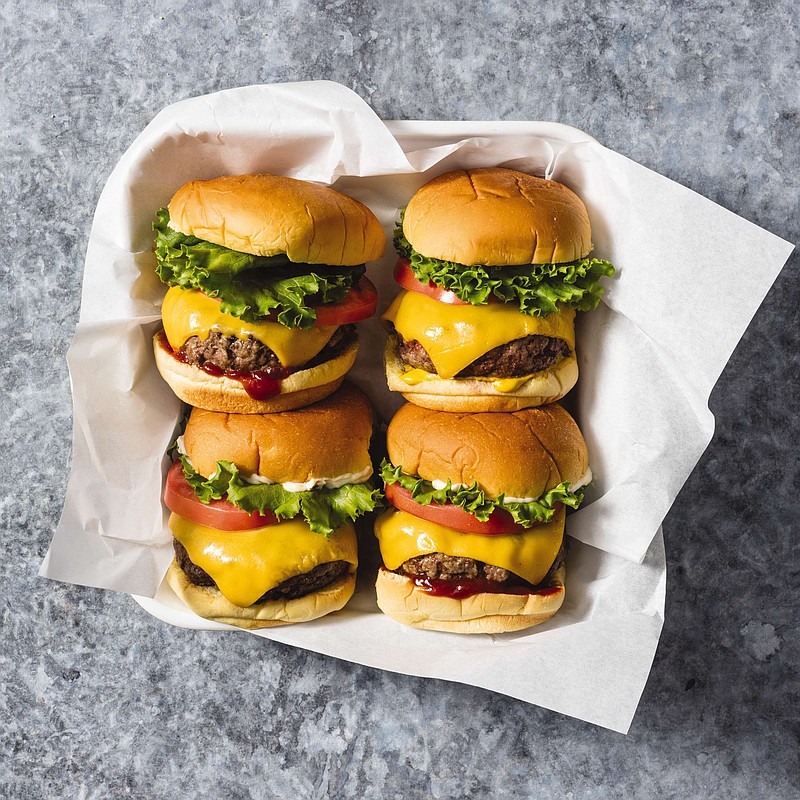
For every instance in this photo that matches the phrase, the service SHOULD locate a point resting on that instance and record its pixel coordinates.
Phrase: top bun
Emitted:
(266, 215)
(324, 440)
(497, 217)
(522, 453)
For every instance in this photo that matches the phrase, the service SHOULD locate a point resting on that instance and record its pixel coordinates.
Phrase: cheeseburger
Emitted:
(266, 277)
(474, 539)
(493, 264)
(263, 508)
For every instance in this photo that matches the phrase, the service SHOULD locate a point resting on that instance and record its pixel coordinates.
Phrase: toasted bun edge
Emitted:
(208, 602)
(404, 602)
(197, 388)
(471, 394)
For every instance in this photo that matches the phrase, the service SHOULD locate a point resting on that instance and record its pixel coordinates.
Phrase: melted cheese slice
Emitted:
(530, 554)
(246, 564)
(455, 335)
(190, 312)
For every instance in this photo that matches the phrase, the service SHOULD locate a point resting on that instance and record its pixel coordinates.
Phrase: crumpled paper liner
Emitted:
(649, 357)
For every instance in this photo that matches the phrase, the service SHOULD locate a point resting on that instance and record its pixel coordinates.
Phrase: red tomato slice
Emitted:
(220, 514)
(451, 516)
(359, 303)
(404, 275)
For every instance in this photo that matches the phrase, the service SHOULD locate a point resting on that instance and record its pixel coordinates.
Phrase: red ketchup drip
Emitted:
(466, 588)
(261, 384)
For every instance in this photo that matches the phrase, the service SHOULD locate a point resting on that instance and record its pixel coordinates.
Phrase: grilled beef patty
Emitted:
(290, 589)
(524, 356)
(454, 568)
(232, 353)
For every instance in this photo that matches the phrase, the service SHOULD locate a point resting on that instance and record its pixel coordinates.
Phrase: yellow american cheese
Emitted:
(246, 564)
(189, 312)
(455, 335)
(530, 554)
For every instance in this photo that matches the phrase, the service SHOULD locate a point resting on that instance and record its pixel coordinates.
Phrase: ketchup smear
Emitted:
(466, 588)
(261, 384)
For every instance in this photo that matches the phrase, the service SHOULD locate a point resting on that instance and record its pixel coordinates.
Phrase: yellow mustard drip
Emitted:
(189, 312)
(455, 335)
(509, 384)
(530, 554)
(416, 376)
(245, 564)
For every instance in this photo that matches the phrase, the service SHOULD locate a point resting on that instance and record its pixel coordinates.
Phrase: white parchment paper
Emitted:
(648, 356)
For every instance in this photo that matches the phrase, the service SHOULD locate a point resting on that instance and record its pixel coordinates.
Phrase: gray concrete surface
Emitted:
(98, 700)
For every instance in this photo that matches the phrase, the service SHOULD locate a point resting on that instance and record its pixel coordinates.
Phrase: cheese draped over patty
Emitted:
(529, 554)
(190, 312)
(246, 564)
(455, 335)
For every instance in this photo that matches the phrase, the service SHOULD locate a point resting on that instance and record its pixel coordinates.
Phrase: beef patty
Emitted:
(524, 356)
(290, 589)
(453, 568)
(232, 353)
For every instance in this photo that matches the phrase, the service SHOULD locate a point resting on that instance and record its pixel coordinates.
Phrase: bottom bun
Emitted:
(400, 599)
(473, 394)
(208, 602)
(218, 393)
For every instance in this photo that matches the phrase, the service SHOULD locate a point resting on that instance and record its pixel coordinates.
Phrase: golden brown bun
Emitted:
(208, 602)
(497, 217)
(404, 602)
(325, 440)
(522, 453)
(198, 388)
(267, 214)
(471, 394)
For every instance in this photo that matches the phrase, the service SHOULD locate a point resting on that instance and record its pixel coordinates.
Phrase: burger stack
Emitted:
(266, 277)
(482, 462)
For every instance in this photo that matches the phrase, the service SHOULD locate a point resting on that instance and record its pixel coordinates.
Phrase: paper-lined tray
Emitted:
(649, 357)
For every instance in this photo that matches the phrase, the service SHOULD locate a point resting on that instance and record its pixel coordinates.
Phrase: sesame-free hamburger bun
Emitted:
(268, 215)
(497, 217)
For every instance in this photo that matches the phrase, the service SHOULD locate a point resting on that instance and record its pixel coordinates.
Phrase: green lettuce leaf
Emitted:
(536, 288)
(245, 288)
(473, 500)
(324, 509)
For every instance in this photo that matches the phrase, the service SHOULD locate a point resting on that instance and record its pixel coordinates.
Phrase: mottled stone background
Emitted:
(703, 91)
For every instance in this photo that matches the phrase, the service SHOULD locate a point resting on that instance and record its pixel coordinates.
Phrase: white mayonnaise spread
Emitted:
(315, 483)
(311, 483)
